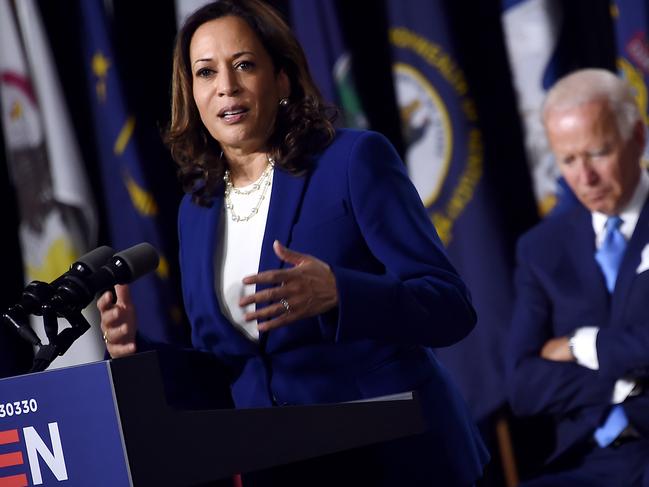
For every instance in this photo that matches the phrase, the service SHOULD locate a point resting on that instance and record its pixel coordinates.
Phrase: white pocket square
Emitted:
(644, 260)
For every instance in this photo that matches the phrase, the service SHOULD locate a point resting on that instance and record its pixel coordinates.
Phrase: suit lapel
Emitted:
(210, 244)
(285, 201)
(627, 273)
(212, 225)
(581, 248)
(212, 228)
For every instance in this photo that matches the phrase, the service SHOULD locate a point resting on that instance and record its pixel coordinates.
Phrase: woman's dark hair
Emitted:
(302, 128)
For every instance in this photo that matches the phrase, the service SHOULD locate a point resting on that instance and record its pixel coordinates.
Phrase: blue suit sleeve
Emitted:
(536, 385)
(419, 299)
(624, 352)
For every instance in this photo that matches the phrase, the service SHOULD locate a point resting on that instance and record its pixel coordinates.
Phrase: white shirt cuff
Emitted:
(623, 388)
(584, 346)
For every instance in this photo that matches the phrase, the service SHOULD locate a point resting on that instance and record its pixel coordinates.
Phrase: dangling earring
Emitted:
(283, 102)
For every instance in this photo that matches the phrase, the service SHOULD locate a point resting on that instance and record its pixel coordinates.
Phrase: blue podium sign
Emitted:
(74, 426)
(62, 428)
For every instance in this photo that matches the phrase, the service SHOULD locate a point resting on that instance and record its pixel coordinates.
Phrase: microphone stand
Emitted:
(31, 301)
(35, 300)
(61, 342)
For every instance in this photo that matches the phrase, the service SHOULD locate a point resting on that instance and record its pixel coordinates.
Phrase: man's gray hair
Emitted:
(588, 85)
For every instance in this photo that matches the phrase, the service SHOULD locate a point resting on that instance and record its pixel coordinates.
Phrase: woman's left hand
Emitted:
(304, 290)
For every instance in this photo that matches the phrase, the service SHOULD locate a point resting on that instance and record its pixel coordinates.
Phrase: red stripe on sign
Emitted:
(11, 459)
(14, 481)
(9, 436)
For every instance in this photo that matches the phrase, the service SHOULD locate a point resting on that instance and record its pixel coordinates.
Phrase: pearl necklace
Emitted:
(262, 183)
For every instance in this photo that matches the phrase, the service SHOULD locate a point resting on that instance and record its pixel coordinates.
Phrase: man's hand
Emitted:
(558, 350)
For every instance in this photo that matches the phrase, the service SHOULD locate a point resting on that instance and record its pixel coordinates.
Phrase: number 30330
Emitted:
(17, 408)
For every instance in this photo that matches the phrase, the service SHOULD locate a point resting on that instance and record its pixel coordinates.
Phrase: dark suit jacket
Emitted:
(398, 296)
(560, 287)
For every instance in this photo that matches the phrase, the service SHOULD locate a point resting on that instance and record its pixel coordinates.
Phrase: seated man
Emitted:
(579, 342)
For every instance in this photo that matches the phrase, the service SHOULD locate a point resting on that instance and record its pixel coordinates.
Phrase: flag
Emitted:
(317, 27)
(57, 214)
(532, 29)
(128, 177)
(445, 159)
(631, 19)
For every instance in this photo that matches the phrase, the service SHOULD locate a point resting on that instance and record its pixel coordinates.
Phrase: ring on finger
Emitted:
(287, 307)
(105, 339)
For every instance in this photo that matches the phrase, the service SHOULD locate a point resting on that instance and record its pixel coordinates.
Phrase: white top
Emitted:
(238, 253)
(585, 338)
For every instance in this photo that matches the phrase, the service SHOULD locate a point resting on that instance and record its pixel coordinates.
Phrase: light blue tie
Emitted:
(609, 256)
(610, 253)
(615, 423)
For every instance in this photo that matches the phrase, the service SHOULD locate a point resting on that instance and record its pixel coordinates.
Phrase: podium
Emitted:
(155, 420)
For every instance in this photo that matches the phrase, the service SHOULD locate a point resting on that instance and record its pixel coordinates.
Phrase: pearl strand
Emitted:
(263, 182)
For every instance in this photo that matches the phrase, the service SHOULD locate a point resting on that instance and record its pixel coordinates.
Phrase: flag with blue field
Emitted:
(128, 175)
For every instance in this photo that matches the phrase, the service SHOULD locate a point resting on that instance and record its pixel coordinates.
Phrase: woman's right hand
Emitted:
(118, 323)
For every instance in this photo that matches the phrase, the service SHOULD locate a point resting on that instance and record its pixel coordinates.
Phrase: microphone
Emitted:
(75, 292)
(87, 264)
(37, 293)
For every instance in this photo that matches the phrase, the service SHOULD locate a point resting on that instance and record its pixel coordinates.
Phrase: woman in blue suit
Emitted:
(310, 267)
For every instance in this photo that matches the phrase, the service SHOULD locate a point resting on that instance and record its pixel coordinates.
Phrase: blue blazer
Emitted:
(560, 287)
(398, 296)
